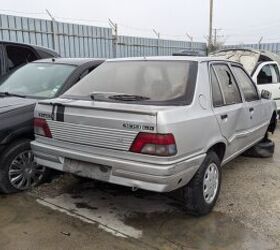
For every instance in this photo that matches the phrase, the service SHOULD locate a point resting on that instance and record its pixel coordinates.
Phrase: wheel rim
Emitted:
(24, 172)
(211, 183)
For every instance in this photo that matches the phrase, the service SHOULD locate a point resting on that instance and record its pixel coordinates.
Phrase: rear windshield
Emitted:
(144, 82)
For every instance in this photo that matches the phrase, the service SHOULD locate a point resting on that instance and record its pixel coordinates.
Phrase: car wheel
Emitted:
(18, 170)
(264, 149)
(201, 194)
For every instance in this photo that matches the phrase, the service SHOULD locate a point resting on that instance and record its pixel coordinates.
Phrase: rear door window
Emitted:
(228, 85)
(246, 84)
(216, 91)
(17, 56)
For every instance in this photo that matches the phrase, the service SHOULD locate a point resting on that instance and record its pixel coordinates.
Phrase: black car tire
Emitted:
(264, 149)
(193, 193)
(6, 159)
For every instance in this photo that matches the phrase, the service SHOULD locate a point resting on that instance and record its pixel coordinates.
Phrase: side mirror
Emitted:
(265, 94)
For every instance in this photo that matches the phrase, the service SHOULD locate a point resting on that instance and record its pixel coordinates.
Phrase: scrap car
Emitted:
(159, 124)
(43, 79)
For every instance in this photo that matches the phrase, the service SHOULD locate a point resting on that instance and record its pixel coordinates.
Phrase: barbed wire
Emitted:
(264, 28)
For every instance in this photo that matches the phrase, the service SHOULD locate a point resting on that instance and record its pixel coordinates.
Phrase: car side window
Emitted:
(17, 56)
(246, 84)
(86, 72)
(228, 84)
(83, 74)
(216, 91)
(265, 75)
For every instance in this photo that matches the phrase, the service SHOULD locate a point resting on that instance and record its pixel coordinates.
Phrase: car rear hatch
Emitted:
(103, 125)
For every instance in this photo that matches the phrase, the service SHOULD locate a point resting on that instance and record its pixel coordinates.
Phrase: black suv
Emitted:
(14, 55)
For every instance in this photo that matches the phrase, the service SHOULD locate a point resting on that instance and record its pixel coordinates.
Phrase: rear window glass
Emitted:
(154, 81)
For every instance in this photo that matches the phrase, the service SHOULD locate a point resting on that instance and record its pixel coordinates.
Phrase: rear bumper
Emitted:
(153, 177)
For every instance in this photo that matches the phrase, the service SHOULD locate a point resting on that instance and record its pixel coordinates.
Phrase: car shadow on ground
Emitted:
(156, 219)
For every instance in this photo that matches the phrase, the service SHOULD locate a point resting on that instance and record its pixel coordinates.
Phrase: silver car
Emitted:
(159, 123)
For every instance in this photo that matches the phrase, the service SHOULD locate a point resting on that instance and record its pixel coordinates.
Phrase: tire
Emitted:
(194, 193)
(264, 149)
(17, 161)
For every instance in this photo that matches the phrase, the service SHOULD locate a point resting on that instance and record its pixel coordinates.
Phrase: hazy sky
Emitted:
(240, 20)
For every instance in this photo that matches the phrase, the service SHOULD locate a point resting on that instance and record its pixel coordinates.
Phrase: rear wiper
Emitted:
(129, 98)
(101, 95)
(4, 94)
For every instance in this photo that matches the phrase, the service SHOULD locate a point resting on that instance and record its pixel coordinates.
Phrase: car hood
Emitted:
(249, 58)
(11, 103)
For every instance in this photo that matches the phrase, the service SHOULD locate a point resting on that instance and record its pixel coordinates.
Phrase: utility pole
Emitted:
(259, 43)
(158, 38)
(53, 29)
(115, 28)
(210, 44)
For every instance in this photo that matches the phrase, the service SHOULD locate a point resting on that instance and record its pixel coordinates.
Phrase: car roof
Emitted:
(36, 47)
(72, 61)
(171, 58)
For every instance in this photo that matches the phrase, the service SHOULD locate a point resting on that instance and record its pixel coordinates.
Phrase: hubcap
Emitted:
(24, 172)
(210, 183)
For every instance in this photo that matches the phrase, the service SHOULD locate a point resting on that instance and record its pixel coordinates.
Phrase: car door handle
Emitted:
(251, 109)
(223, 117)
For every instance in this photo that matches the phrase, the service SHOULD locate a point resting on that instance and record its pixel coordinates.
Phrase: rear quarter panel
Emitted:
(195, 126)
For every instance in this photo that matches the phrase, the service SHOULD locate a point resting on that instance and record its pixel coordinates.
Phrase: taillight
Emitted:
(154, 144)
(41, 127)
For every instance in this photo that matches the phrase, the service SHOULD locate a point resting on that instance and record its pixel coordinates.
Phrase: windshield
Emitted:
(139, 81)
(40, 80)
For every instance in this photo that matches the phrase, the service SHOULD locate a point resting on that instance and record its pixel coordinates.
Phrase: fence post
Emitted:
(54, 34)
(260, 42)
(114, 26)
(158, 40)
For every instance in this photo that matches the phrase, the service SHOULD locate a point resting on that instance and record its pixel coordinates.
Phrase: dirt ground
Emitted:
(73, 214)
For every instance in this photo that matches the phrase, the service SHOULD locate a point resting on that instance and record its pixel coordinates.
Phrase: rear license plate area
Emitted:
(86, 169)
